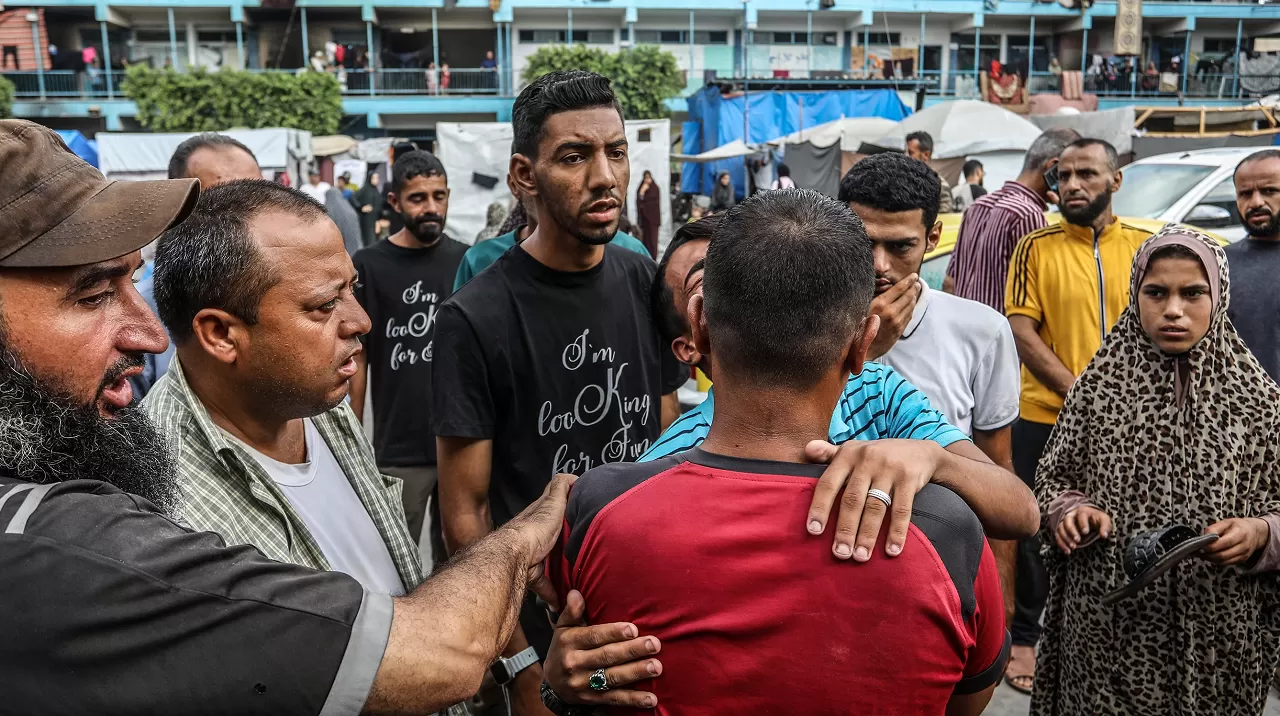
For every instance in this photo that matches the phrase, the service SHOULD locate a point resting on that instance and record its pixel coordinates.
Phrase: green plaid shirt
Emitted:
(226, 491)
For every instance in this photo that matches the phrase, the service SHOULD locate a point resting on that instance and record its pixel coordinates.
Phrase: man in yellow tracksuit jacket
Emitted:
(1067, 285)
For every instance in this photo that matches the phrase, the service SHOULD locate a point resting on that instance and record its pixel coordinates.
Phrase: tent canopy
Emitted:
(850, 132)
(963, 128)
(1112, 125)
(736, 148)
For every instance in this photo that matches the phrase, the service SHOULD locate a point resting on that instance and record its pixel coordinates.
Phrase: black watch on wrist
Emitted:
(558, 707)
(504, 670)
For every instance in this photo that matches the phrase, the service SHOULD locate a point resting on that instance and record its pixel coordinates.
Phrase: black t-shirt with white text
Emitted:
(562, 370)
(402, 289)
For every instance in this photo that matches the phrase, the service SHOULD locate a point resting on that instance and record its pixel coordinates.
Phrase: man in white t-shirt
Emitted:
(255, 288)
(315, 188)
(960, 353)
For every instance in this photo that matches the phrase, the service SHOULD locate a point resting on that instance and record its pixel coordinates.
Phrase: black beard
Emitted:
(47, 438)
(424, 228)
(1270, 230)
(1089, 213)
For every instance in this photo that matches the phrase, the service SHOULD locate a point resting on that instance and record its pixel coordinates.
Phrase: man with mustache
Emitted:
(549, 361)
(100, 580)
(1255, 262)
(403, 280)
(1067, 285)
(255, 288)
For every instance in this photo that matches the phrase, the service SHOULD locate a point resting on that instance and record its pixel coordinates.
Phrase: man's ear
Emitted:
(394, 200)
(219, 334)
(931, 240)
(698, 325)
(685, 351)
(520, 173)
(856, 355)
(1116, 180)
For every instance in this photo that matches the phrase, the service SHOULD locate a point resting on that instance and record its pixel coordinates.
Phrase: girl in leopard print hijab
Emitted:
(1164, 427)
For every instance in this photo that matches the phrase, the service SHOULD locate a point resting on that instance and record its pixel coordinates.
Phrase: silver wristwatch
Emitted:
(504, 670)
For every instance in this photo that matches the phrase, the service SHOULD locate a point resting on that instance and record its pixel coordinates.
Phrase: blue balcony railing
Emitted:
(66, 84)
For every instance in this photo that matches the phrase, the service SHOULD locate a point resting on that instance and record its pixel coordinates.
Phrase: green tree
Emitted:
(6, 98)
(644, 77)
(200, 101)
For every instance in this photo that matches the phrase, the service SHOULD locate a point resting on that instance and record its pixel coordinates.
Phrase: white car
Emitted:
(1193, 187)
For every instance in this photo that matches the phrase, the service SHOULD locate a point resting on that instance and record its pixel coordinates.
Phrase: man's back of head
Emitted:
(788, 282)
(213, 159)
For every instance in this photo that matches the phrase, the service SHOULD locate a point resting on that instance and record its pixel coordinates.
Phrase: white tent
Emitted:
(477, 153)
(123, 155)
(963, 128)
(850, 132)
(736, 148)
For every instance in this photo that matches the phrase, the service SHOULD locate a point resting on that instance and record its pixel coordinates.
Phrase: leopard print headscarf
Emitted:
(1202, 639)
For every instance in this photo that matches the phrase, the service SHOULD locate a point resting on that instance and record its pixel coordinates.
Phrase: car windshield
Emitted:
(1150, 189)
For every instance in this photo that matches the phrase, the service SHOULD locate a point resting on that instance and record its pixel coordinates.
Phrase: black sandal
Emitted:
(1151, 554)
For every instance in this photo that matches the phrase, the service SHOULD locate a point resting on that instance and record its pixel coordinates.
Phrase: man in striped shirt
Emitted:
(992, 226)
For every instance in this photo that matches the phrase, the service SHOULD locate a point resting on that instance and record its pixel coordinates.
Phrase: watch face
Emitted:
(499, 671)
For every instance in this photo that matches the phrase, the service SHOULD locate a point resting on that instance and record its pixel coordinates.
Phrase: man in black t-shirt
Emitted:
(403, 280)
(549, 360)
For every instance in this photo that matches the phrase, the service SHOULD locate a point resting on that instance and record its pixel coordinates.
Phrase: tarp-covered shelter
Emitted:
(124, 155)
(716, 120)
(86, 149)
(968, 129)
(476, 156)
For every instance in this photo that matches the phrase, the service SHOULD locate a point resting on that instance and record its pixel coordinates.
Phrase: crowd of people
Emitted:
(893, 497)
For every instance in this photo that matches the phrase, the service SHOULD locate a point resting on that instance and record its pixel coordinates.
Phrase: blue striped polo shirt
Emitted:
(877, 403)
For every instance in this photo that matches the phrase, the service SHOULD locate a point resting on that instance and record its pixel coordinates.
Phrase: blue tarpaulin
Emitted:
(86, 149)
(715, 120)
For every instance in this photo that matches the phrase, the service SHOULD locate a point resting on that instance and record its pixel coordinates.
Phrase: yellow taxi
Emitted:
(934, 268)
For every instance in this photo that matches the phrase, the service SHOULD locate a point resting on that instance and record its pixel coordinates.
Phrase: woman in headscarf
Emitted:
(1173, 422)
(494, 219)
(722, 197)
(368, 203)
(649, 212)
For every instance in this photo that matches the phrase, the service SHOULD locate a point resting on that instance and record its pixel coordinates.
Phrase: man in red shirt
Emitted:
(700, 549)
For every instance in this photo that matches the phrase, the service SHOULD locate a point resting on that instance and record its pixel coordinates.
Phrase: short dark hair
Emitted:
(784, 170)
(208, 140)
(971, 167)
(552, 93)
(894, 183)
(415, 164)
(924, 139)
(211, 260)
(1175, 251)
(788, 280)
(1257, 157)
(1048, 145)
(662, 300)
(1113, 158)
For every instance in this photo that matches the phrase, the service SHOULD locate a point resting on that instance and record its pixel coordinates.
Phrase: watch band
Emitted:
(558, 707)
(504, 670)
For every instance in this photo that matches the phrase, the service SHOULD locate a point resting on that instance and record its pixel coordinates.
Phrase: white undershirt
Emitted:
(322, 496)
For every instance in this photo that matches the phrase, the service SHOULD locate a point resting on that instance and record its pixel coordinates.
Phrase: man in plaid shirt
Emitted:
(256, 290)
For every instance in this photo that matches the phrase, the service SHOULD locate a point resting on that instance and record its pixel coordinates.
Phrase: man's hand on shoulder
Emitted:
(899, 468)
(535, 530)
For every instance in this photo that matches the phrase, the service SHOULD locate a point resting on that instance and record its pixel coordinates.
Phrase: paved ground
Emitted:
(1008, 702)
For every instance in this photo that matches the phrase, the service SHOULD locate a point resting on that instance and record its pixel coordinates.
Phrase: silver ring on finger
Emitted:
(599, 681)
(880, 495)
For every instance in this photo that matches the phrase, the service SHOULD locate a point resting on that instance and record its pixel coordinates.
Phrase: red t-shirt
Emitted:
(709, 553)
